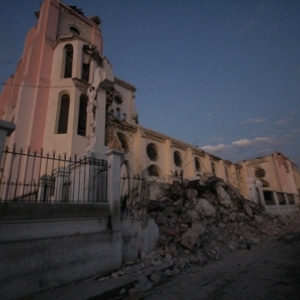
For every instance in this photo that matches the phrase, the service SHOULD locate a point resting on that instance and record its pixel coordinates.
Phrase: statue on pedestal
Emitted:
(99, 76)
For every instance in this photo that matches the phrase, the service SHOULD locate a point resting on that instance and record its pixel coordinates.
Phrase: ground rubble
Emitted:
(200, 221)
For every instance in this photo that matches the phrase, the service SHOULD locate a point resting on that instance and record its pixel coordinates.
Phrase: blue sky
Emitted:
(223, 75)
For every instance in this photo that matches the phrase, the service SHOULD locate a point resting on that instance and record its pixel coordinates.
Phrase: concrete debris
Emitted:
(143, 284)
(200, 221)
(206, 219)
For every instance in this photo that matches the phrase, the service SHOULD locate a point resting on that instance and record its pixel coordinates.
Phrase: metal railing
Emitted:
(32, 176)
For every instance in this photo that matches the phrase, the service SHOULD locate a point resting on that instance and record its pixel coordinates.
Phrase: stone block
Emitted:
(199, 228)
(205, 208)
(191, 217)
(248, 209)
(189, 239)
(223, 197)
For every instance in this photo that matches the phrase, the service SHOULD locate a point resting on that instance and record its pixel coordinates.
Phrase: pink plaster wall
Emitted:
(34, 70)
(46, 37)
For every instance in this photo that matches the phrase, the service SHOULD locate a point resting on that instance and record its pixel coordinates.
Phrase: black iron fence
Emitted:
(32, 176)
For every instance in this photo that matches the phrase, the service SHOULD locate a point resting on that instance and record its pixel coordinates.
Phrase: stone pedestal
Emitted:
(62, 185)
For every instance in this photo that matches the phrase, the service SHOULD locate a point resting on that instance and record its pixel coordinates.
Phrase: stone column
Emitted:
(252, 189)
(114, 186)
(260, 192)
(100, 149)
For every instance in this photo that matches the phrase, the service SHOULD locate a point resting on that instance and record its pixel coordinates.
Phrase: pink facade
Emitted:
(20, 101)
(47, 99)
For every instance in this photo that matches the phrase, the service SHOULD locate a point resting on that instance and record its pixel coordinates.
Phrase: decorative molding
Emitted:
(256, 161)
(153, 136)
(69, 38)
(81, 85)
(124, 126)
(227, 163)
(215, 158)
(178, 145)
(198, 152)
(238, 166)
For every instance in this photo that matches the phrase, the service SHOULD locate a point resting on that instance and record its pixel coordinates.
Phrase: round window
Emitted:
(152, 151)
(177, 159)
(74, 30)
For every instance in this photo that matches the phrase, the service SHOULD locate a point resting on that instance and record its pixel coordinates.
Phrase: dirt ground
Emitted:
(270, 270)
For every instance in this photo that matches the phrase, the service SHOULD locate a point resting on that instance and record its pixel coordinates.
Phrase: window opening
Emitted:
(69, 61)
(291, 199)
(63, 114)
(177, 159)
(85, 72)
(281, 199)
(269, 198)
(260, 173)
(152, 151)
(197, 164)
(153, 170)
(74, 30)
(81, 128)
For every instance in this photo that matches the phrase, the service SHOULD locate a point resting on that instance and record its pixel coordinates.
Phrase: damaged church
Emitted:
(68, 99)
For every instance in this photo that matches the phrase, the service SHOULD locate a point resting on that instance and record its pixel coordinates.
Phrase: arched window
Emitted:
(154, 170)
(68, 61)
(152, 151)
(85, 72)
(197, 164)
(177, 159)
(63, 114)
(81, 128)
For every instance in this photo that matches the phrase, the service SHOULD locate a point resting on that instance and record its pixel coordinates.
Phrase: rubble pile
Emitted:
(199, 220)
(206, 220)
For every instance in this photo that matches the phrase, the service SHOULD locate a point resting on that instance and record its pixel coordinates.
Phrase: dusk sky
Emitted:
(222, 75)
